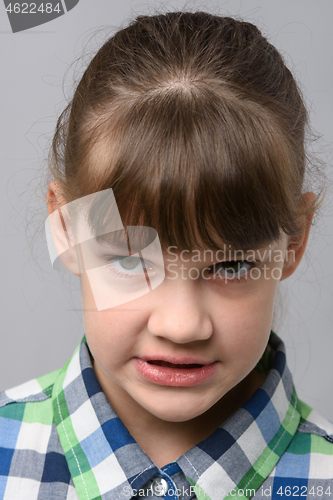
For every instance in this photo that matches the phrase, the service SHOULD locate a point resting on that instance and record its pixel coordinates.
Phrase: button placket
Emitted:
(162, 487)
(159, 486)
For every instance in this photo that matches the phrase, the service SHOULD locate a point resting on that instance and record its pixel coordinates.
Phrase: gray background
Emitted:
(41, 324)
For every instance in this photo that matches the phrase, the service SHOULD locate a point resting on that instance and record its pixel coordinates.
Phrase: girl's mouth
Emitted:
(158, 362)
(162, 372)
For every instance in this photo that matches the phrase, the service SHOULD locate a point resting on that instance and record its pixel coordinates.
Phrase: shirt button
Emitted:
(160, 486)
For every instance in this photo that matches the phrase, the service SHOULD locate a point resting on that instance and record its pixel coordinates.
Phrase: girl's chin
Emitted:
(176, 409)
(175, 417)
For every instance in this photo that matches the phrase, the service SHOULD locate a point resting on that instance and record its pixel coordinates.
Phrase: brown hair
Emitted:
(196, 124)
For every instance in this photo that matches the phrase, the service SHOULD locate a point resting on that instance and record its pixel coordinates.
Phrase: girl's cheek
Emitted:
(244, 325)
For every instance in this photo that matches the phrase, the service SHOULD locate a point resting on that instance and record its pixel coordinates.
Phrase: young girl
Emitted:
(178, 199)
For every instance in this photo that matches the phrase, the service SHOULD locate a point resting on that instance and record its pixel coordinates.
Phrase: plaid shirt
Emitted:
(61, 439)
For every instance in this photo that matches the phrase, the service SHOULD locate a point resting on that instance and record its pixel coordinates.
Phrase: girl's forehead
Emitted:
(128, 223)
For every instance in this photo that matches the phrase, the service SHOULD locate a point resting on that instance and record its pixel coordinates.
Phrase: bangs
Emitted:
(204, 169)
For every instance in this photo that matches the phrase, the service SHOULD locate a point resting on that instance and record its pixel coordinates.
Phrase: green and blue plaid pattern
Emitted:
(61, 439)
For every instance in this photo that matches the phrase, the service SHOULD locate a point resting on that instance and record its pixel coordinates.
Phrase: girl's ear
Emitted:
(64, 248)
(296, 245)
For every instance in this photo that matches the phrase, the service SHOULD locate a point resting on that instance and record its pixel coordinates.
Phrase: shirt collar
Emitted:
(104, 458)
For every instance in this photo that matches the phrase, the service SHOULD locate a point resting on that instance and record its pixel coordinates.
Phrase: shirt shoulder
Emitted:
(26, 430)
(309, 455)
(32, 391)
(26, 415)
(305, 468)
(26, 410)
(312, 422)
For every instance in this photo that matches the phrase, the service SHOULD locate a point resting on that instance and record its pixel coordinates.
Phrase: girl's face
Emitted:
(176, 351)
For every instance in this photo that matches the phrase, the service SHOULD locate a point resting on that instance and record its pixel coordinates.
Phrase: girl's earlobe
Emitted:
(62, 251)
(297, 244)
(61, 248)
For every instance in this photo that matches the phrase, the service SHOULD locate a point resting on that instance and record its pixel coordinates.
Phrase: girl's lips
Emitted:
(163, 372)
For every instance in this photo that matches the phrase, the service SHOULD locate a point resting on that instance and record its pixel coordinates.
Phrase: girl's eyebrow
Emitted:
(262, 253)
(141, 242)
(111, 244)
(213, 256)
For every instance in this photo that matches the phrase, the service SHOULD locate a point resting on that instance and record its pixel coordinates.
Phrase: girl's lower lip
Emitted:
(175, 376)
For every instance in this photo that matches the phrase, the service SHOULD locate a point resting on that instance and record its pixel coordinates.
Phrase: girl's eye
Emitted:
(232, 269)
(127, 267)
(129, 263)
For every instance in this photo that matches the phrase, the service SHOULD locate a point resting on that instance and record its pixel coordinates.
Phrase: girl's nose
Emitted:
(179, 314)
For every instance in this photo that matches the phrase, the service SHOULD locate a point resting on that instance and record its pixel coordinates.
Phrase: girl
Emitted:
(178, 199)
